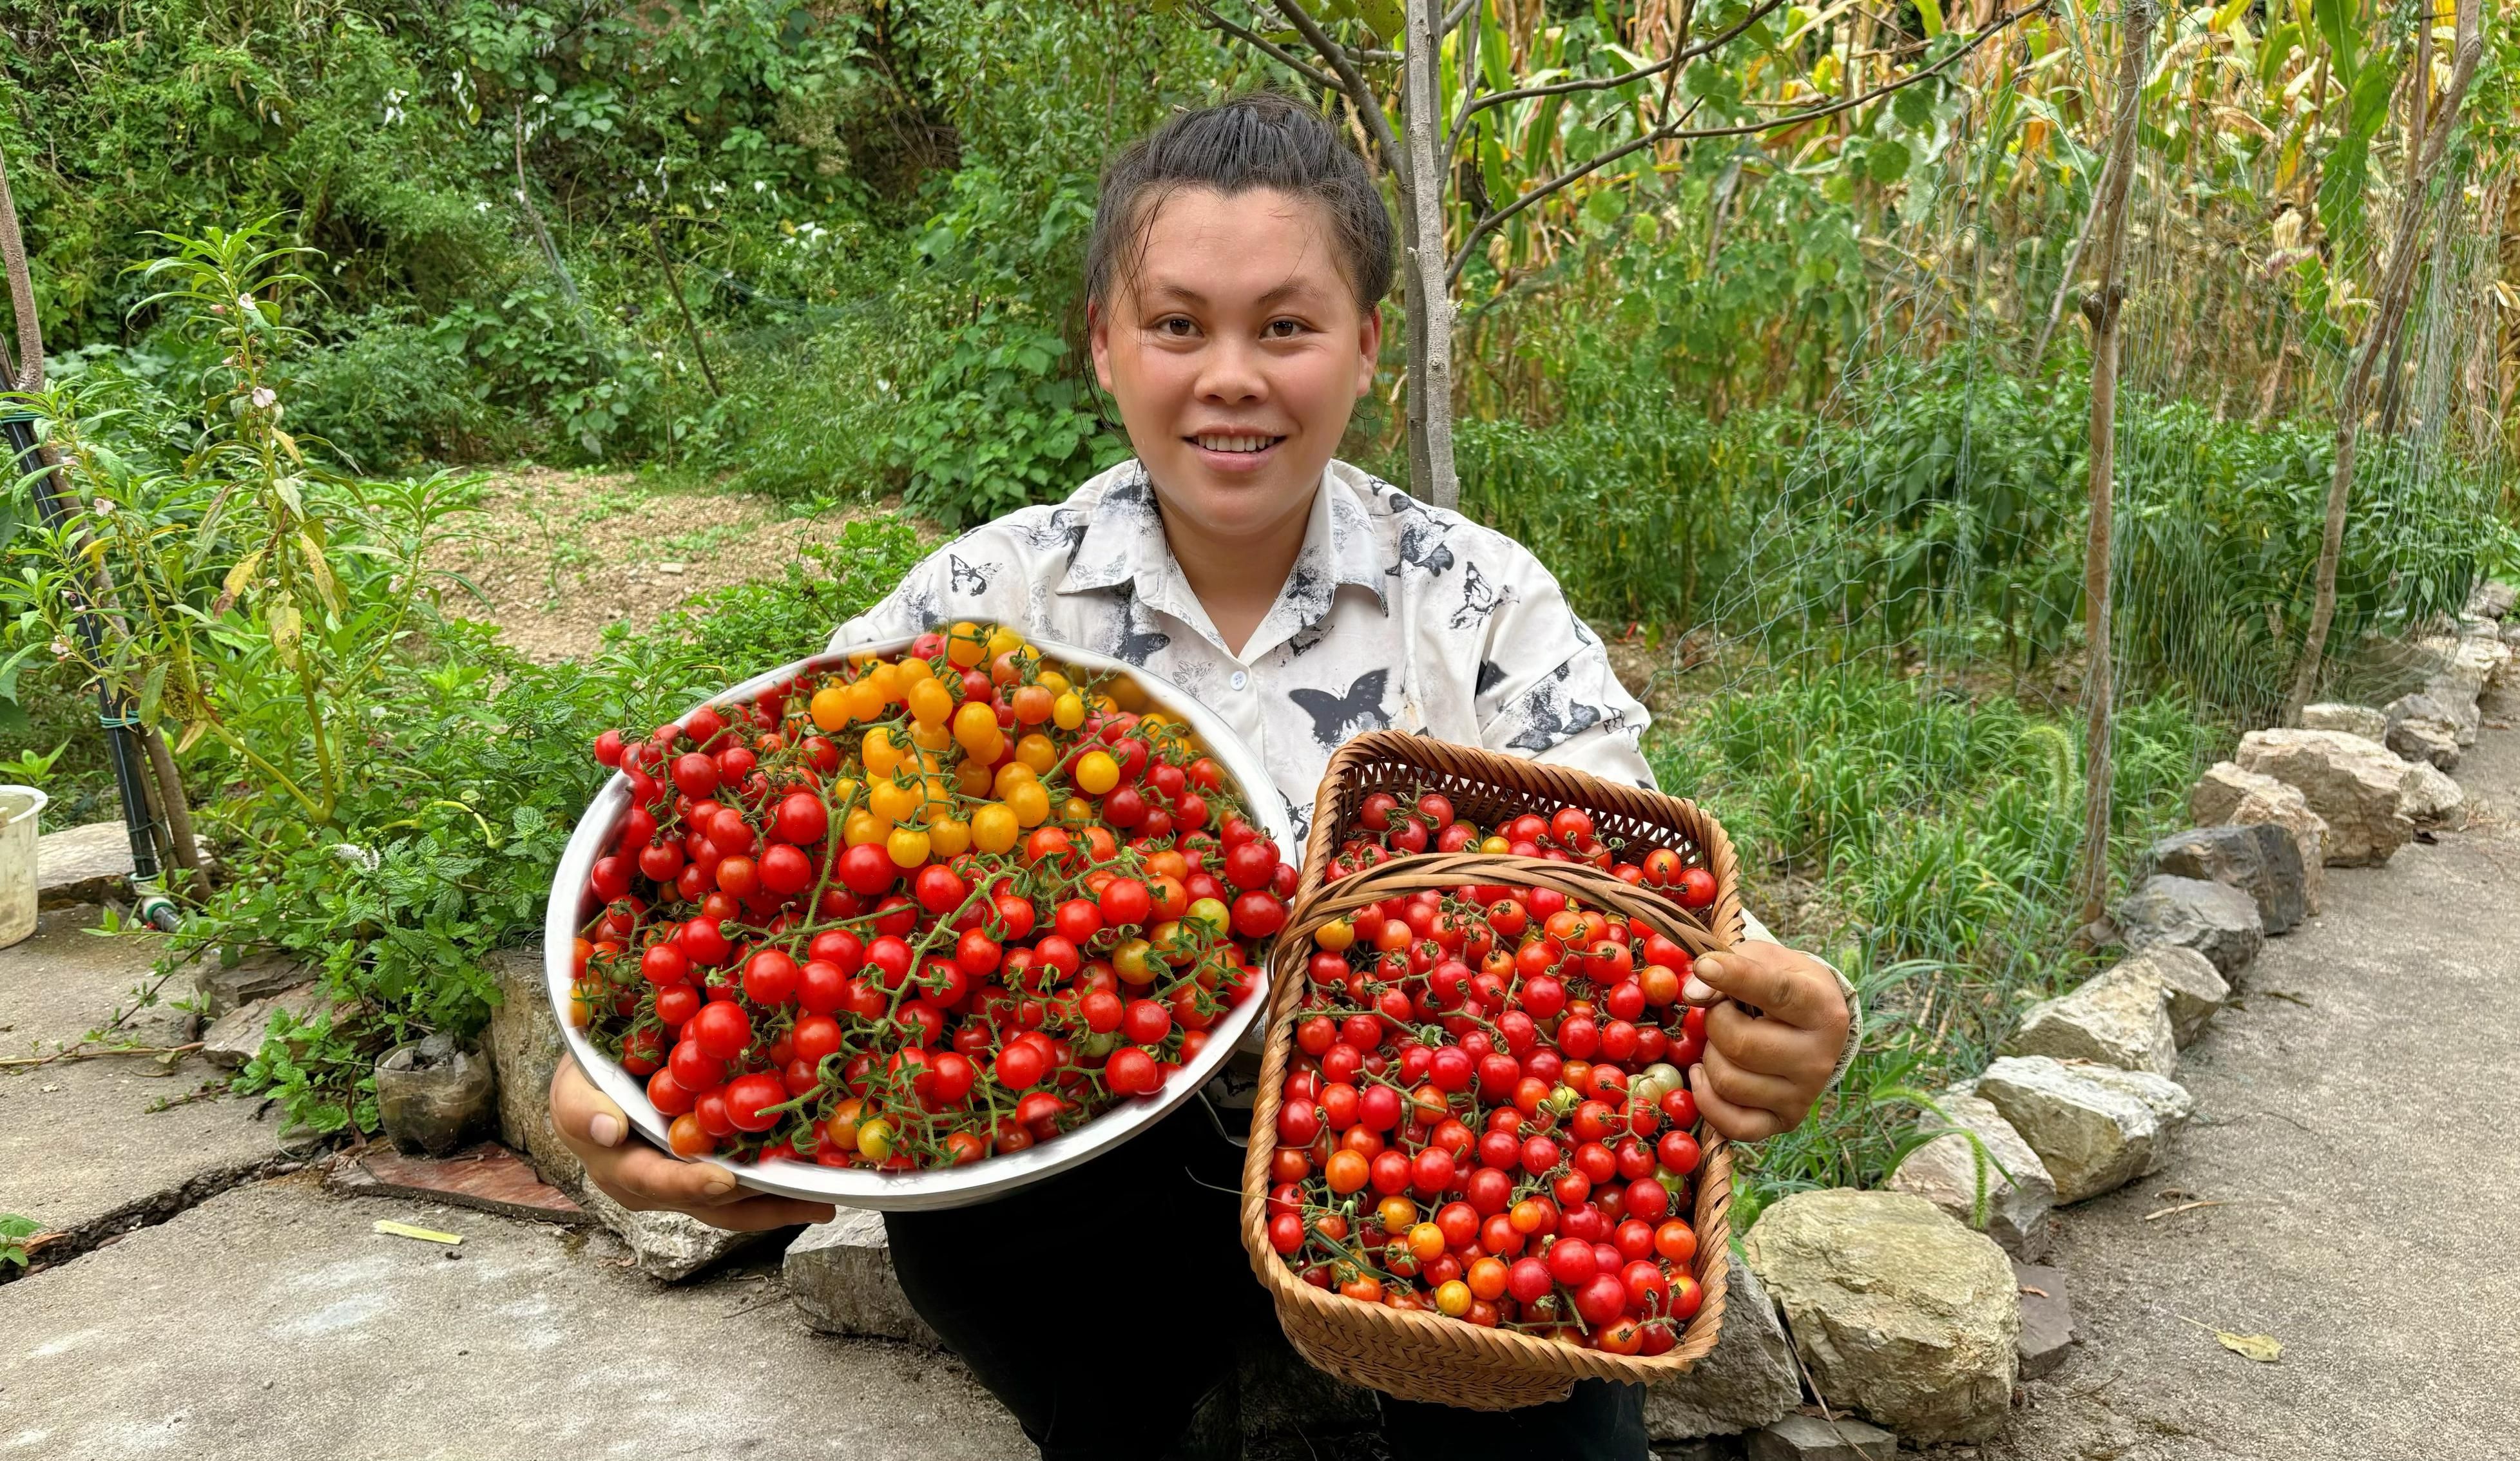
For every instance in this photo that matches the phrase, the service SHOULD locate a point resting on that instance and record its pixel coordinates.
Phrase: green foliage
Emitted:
(14, 1230)
(1936, 835)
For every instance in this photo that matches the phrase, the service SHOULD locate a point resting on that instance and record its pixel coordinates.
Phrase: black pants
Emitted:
(1103, 1306)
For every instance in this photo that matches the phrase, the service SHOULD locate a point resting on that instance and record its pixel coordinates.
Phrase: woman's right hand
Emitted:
(645, 1179)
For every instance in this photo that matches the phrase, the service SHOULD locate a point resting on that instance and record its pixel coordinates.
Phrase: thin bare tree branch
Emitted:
(1368, 107)
(1269, 48)
(1604, 84)
(1676, 133)
(1469, 91)
(1452, 16)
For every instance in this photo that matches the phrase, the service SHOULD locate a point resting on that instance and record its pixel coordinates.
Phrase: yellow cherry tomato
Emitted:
(994, 828)
(1494, 845)
(1134, 961)
(830, 707)
(907, 846)
(887, 678)
(1003, 641)
(1336, 936)
(1453, 1299)
(1009, 776)
(949, 838)
(864, 828)
(1077, 810)
(975, 724)
(1053, 681)
(1029, 803)
(1067, 712)
(972, 778)
(866, 700)
(1036, 751)
(1396, 1212)
(913, 670)
(929, 701)
(875, 1139)
(1096, 773)
(1210, 911)
(892, 801)
(882, 757)
(841, 1126)
(965, 646)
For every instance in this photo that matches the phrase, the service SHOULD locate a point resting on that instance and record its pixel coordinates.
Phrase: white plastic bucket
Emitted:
(19, 806)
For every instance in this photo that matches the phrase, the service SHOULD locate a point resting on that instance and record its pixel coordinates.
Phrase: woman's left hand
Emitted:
(1762, 1072)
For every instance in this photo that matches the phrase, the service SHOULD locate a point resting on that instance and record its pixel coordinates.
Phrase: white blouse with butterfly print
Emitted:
(1396, 615)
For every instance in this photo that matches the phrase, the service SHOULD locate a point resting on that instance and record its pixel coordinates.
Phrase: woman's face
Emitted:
(1236, 352)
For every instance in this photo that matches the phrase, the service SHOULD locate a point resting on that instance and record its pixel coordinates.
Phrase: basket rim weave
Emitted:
(1427, 1336)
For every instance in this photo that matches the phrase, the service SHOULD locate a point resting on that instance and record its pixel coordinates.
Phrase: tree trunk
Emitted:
(2099, 691)
(178, 812)
(2396, 289)
(1430, 299)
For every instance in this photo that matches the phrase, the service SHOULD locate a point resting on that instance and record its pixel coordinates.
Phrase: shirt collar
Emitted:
(1124, 543)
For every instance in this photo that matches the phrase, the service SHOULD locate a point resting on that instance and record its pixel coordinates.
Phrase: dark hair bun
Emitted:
(1262, 140)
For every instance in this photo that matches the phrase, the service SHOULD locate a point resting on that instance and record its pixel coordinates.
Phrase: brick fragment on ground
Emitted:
(484, 1176)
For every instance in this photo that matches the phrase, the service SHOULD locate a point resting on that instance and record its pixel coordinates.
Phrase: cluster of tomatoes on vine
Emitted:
(918, 908)
(1486, 1114)
(1388, 825)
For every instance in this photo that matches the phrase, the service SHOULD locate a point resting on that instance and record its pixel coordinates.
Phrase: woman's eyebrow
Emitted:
(1292, 288)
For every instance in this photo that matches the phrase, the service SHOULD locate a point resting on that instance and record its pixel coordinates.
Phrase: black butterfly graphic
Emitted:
(1065, 529)
(1479, 597)
(1491, 674)
(967, 578)
(1138, 639)
(1305, 638)
(1550, 716)
(1422, 547)
(1582, 631)
(1335, 718)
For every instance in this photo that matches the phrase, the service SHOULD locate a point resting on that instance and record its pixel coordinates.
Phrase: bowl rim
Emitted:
(993, 1176)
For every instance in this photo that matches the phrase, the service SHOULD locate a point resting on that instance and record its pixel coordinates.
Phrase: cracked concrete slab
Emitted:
(272, 1321)
(79, 1149)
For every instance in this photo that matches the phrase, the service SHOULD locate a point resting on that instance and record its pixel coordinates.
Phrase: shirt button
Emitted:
(1240, 680)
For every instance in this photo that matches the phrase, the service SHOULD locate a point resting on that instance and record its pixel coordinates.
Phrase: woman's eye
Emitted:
(1284, 329)
(1176, 325)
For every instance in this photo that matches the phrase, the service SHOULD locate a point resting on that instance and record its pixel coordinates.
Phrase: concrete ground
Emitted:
(79, 1148)
(2357, 1121)
(273, 1322)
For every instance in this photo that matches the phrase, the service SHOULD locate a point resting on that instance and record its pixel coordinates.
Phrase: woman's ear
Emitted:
(1368, 343)
(1097, 340)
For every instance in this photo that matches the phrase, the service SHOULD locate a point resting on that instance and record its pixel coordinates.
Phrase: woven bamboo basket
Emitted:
(1423, 1356)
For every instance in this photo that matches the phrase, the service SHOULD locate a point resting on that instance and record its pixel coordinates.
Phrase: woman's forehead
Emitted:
(1257, 247)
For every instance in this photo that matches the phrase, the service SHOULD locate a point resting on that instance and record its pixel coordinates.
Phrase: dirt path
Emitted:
(555, 555)
(2357, 1121)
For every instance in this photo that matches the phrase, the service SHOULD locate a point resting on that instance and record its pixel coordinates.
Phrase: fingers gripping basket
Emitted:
(1420, 1356)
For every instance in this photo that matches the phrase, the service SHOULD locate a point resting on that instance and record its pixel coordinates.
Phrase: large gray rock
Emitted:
(237, 1037)
(2095, 1128)
(668, 1247)
(2258, 858)
(2019, 1193)
(2216, 920)
(2228, 794)
(1896, 1311)
(840, 1274)
(257, 978)
(88, 863)
(2352, 720)
(2192, 992)
(1813, 1438)
(1746, 1380)
(2432, 725)
(2046, 1319)
(2124, 1022)
(2352, 784)
(524, 1048)
(2491, 599)
(2431, 799)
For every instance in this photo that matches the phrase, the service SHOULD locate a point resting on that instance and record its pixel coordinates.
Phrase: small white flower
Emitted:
(759, 186)
(365, 859)
(246, 302)
(540, 99)
(61, 648)
(264, 398)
